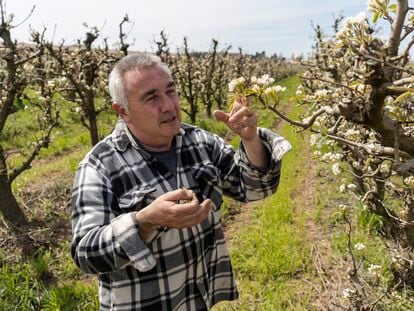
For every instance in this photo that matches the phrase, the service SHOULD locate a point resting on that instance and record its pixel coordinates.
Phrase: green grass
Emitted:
(271, 253)
(46, 280)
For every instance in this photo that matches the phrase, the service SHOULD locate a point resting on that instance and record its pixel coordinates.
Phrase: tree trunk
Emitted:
(409, 226)
(93, 128)
(92, 118)
(9, 207)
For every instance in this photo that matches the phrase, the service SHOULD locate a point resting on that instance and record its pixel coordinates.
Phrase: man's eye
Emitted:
(171, 92)
(151, 98)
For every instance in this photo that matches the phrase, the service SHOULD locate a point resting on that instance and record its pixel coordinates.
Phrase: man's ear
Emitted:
(121, 111)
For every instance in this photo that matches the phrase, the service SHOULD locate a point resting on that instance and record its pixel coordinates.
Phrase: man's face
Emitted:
(153, 113)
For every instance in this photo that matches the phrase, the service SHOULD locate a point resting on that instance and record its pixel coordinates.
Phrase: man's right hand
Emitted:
(166, 211)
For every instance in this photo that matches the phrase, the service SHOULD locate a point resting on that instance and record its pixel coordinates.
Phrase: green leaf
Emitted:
(393, 8)
(339, 45)
(323, 130)
(403, 97)
(375, 17)
(354, 83)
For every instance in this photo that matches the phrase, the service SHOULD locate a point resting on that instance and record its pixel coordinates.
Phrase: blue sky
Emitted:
(278, 26)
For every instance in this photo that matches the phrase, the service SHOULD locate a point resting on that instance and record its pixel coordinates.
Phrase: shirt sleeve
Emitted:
(102, 242)
(243, 181)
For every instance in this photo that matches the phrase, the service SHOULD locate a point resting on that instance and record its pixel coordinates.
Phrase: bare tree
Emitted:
(24, 68)
(188, 77)
(85, 69)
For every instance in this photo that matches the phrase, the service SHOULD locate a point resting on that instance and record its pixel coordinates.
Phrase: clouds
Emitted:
(275, 26)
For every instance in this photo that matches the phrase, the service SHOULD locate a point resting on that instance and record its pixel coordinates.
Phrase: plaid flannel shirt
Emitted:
(174, 269)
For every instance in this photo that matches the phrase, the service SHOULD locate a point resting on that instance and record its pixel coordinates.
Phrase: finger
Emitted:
(220, 115)
(237, 105)
(187, 209)
(207, 205)
(194, 219)
(250, 121)
(241, 114)
(194, 209)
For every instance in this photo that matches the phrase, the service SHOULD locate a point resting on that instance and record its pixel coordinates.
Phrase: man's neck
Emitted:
(161, 148)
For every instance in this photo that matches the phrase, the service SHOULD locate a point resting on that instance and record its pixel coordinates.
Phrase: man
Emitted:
(146, 199)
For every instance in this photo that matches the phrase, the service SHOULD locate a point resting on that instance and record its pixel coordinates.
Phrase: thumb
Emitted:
(207, 203)
(179, 194)
(221, 115)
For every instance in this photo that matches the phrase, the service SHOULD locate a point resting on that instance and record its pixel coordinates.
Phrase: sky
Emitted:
(283, 27)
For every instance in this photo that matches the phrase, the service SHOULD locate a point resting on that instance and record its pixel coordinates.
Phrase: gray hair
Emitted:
(137, 61)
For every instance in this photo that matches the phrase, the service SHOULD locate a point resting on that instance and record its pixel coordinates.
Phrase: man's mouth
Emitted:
(169, 119)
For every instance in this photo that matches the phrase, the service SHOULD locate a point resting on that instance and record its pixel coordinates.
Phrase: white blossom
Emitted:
(336, 170)
(332, 156)
(347, 292)
(314, 138)
(359, 246)
(265, 80)
(356, 165)
(360, 18)
(279, 88)
(321, 93)
(236, 82)
(372, 137)
(352, 134)
(256, 87)
(373, 269)
(409, 181)
(351, 186)
(385, 167)
(276, 89)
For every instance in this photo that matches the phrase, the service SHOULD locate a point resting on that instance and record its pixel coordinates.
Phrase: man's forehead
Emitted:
(153, 75)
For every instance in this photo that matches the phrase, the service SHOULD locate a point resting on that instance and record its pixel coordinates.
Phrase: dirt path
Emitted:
(244, 215)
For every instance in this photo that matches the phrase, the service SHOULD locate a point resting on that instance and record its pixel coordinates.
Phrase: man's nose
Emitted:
(167, 104)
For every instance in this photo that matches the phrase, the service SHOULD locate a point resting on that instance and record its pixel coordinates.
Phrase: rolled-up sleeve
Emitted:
(245, 182)
(102, 242)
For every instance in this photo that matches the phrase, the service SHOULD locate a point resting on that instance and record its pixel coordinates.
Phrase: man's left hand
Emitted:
(241, 119)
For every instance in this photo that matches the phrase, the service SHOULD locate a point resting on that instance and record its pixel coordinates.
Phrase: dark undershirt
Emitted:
(168, 159)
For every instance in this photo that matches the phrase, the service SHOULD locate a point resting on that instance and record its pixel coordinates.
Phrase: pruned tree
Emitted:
(215, 76)
(123, 46)
(187, 74)
(23, 85)
(221, 78)
(163, 51)
(209, 63)
(85, 69)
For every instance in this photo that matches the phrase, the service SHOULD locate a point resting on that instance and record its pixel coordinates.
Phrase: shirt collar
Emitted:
(122, 137)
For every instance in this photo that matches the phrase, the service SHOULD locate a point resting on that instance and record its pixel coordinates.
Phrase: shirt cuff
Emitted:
(126, 232)
(276, 147)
